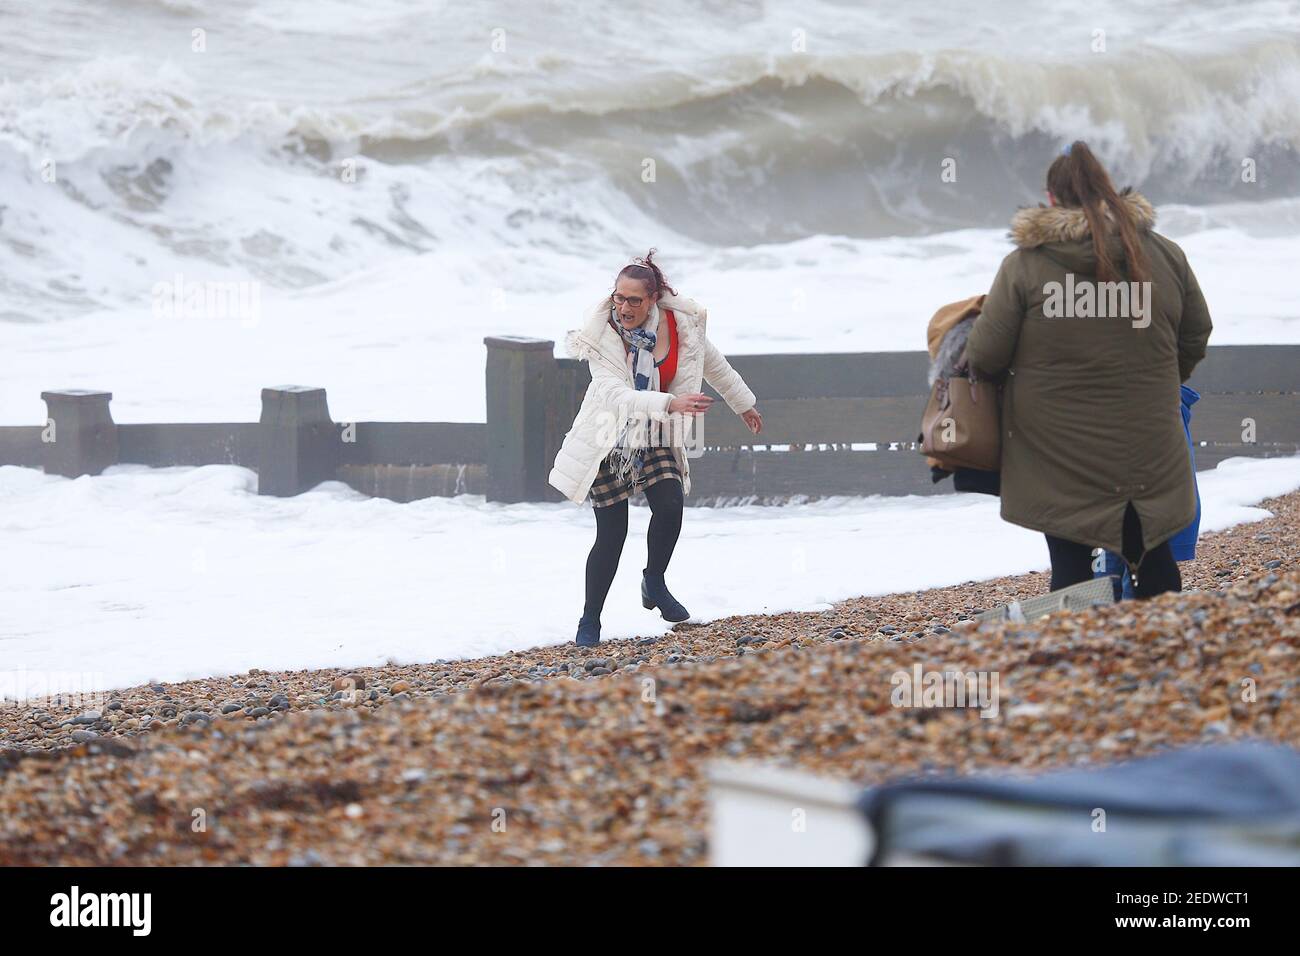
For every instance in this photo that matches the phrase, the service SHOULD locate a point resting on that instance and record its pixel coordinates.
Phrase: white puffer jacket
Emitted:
(611, 391)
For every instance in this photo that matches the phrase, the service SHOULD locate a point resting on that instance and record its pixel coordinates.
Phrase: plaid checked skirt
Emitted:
(659, 465)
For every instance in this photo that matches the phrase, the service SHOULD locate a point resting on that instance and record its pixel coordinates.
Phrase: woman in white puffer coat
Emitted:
(648, 354)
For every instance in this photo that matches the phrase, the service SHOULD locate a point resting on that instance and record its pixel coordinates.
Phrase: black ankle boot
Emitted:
(588, 632)
(654, 593)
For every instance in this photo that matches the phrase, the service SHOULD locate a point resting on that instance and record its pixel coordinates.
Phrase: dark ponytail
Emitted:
(647, 272)
(1077, 178)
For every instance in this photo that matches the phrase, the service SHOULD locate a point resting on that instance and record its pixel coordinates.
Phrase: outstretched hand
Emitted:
(753, 419)
(696, 403)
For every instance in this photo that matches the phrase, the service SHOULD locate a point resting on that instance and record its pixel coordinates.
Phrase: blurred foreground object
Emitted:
(1226, 805)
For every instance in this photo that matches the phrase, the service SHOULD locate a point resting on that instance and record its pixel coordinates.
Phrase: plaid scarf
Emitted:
(645, 376)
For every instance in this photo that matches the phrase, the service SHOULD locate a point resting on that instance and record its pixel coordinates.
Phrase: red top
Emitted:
(668, 367)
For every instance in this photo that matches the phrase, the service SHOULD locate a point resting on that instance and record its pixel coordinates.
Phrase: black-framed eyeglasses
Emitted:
(633, 300)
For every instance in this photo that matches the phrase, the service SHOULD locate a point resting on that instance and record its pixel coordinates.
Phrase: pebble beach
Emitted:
(561, 755)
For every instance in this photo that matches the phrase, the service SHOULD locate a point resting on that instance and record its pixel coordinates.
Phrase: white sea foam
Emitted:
(179, 573)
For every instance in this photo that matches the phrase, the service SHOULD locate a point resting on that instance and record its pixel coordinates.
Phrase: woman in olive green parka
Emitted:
(1092, 323)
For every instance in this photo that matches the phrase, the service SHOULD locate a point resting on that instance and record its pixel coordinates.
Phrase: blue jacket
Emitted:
(1184, 542)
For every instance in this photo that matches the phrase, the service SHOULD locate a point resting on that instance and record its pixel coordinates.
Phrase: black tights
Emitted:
(1158, 572)
(665, 499)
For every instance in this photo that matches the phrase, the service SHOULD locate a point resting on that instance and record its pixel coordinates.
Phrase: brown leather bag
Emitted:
(962, 424)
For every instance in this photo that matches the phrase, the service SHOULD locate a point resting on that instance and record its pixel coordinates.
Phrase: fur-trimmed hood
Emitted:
(579, 343)
(1040, 225)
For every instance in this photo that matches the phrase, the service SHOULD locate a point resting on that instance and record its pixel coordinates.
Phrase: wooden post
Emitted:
(83, 436)
(520, 380)
(298, 445)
